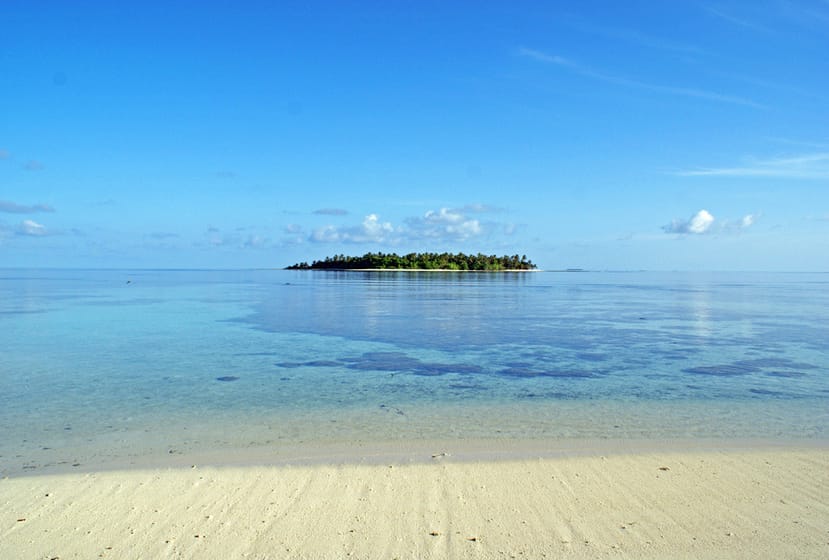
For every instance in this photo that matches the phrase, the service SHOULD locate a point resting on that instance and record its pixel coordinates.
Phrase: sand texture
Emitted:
(733, 504)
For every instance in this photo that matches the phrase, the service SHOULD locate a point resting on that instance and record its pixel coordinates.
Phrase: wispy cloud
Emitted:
(4, 154)
(14, 208)
(256, 241)
(801, 143)
(816, 15)
(544, 57)
(239, 238)
(783, 16)
(480, 208)
(331, 212)
(294, 234)
(637, 38)
(33, 165)
(588, 72)
(162, 240)
(738, 20)
(703, 222)
(804, 166)
(777, 86)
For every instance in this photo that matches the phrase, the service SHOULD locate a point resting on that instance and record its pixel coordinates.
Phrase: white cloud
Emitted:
(703, 222)
(372, 230)
(443, 216)
(32, 228)
(446, 224)
(697, 224)
(804, 166)
(327, 234)
(442, 225)
(700, 222)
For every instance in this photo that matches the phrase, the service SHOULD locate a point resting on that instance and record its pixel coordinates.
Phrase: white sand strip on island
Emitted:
(763, 503)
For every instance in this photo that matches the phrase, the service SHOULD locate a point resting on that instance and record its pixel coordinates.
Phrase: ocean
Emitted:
(112, 367)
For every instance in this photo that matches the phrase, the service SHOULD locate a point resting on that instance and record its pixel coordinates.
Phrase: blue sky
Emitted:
(601, 135)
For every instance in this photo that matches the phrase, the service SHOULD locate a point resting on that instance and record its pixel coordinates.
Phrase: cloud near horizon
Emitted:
(331, 212)
(32, 229)
(703, 222)
(371, 230)
(14, 208)
(443, 225)
(239, 238)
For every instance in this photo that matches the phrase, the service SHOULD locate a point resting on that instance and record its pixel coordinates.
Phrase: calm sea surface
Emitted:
(99, 366)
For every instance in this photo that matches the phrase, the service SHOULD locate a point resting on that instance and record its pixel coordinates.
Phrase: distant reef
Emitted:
(420, 261)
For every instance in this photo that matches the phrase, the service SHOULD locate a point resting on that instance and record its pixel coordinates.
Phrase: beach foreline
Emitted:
(711, 504)
(330, 453)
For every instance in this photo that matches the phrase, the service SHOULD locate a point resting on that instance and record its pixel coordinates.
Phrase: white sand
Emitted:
(762, 503)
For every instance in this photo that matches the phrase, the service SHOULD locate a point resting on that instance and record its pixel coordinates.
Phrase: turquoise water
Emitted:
(98, 366)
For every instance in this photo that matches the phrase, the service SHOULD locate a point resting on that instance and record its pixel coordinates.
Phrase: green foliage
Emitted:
(420, 261)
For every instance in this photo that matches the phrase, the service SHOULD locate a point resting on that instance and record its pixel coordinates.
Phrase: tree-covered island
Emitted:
(420, 261)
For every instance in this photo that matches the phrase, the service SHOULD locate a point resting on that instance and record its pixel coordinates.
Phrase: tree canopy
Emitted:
(419, 261)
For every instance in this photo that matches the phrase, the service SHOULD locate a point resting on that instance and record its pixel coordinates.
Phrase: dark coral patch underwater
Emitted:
(524, 372)
(757, 365)
(724, 370)
(396, 362)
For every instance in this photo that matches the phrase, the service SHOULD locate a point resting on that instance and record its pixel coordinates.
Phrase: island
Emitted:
(421, 261)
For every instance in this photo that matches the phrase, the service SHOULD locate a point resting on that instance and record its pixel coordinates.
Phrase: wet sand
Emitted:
(760, 502)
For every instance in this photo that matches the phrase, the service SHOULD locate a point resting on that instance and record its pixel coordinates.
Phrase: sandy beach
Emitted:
(766, 502)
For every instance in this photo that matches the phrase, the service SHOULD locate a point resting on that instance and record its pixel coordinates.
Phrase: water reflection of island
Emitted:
(420, 261)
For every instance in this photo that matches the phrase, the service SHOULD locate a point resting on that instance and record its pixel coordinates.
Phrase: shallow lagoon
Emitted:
(101, 366)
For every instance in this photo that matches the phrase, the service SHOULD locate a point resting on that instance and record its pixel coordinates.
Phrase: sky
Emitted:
(584, 134)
